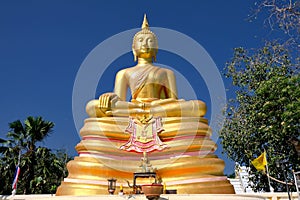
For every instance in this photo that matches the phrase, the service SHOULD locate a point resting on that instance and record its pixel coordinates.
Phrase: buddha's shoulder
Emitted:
(164, 70)
(122, 71)
(126, 72)
(157, 69)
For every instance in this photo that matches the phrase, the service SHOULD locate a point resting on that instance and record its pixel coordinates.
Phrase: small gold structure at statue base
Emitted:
(173, 132)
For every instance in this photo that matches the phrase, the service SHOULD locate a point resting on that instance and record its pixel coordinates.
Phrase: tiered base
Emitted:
(188, 165)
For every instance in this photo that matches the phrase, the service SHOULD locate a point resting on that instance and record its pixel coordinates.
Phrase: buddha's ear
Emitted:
(154, 57)
(134, 55)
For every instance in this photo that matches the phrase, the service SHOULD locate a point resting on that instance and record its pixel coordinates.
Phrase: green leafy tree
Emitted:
(265, 112)
(50, 169)
(41, 169)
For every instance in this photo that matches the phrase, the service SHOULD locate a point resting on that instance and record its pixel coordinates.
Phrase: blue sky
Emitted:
(43, 44)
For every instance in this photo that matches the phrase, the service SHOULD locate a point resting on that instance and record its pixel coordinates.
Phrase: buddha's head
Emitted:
(145, 43)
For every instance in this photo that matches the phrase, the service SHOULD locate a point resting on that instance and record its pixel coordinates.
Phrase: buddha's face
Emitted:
(145, 45)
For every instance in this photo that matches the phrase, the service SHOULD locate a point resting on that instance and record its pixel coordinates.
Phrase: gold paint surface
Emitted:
(188, 164)
(172, 164)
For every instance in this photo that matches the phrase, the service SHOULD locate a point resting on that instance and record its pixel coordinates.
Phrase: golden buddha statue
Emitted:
(153, 89)
(172, 131)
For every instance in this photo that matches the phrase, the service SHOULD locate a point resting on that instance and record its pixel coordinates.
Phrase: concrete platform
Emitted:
(254, 196)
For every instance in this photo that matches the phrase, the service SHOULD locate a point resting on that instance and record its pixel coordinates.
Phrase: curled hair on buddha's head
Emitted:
(145, 30)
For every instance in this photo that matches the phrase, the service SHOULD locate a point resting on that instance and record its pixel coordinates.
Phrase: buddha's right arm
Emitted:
(110, 103)
(121, 85)
(99, 107)
(108, 100)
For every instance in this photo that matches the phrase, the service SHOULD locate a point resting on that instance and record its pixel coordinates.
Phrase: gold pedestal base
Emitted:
(188, 165)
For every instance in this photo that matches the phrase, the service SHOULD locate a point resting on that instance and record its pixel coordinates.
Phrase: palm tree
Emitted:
(36, 129)
(23, 137)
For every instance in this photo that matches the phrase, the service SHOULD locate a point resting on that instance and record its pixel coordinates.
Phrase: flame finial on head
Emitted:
(145, 24)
